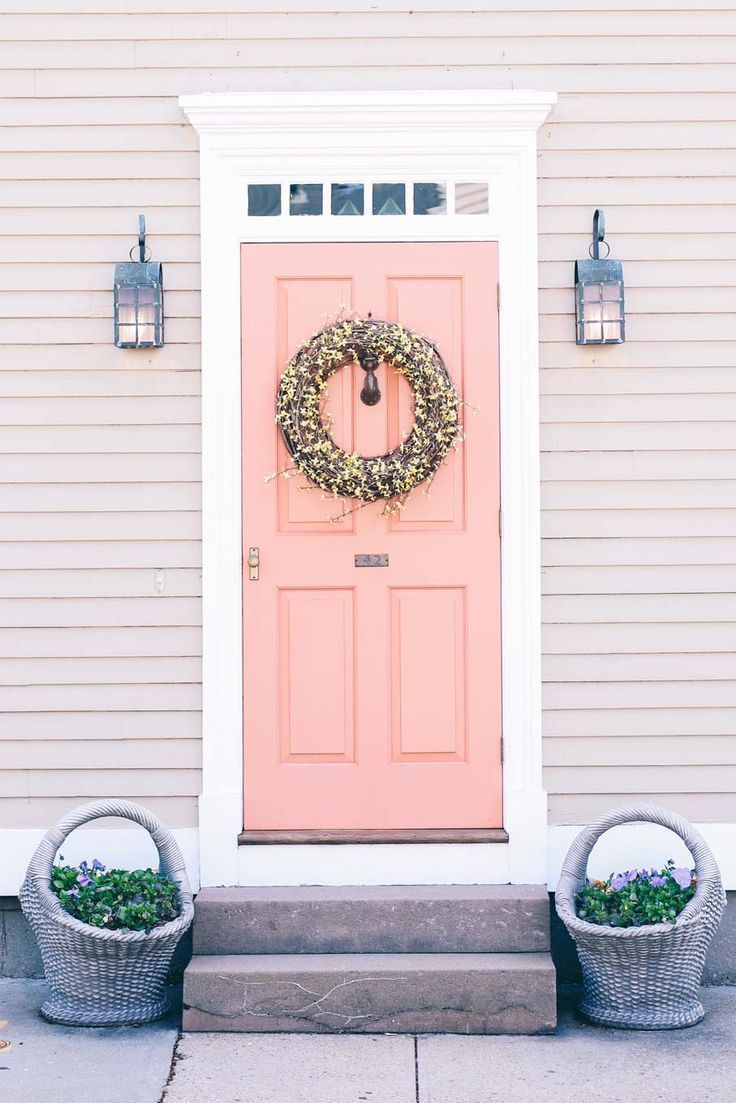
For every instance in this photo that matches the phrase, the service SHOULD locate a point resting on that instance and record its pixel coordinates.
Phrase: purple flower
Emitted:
(643, 875)
(72, 892)
(683, 877)
(620, 881)
(632, 875)
(98, 865)
(83, 866)
(657, 882)
(83, 880)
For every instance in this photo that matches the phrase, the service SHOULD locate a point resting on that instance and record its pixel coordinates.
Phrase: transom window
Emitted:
(390, 198)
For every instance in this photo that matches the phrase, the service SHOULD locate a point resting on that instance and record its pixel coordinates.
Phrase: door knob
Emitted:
(254, 563)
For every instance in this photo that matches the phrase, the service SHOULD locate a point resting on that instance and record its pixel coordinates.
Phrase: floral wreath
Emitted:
(306, 432)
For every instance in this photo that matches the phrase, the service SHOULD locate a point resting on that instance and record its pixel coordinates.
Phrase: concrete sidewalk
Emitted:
(61, 1064)
(581, 1064)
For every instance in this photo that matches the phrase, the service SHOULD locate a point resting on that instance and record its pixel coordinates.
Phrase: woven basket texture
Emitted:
(99, 977)
(644, 978)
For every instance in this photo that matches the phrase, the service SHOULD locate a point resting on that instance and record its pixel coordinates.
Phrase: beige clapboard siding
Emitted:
(99, 453)
(100, 641)
(25, 811)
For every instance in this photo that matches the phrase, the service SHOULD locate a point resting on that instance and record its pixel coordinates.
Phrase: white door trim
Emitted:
(362, 136)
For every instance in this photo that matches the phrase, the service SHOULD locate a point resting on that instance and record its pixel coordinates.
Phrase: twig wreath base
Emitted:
(340, 474)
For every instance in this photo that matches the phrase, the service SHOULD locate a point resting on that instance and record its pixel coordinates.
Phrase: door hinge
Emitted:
(498, 296)
(500, 523)
(502, 752)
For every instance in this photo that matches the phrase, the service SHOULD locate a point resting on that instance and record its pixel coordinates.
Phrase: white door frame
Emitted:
(295, 137)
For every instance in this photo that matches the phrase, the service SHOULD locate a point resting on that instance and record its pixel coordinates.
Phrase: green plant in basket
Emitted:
(116, 899)
(638, 897)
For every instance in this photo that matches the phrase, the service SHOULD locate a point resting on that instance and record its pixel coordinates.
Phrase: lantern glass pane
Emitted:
(611, 290)
(127, 335)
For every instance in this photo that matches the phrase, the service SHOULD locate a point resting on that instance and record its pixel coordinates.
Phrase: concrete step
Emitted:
(372, 993)
(372, 919)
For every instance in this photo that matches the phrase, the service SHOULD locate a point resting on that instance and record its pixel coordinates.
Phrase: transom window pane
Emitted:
(305, 199)
(471, 198)
(389, 199)
(264, 200)
(347, 199)
(430, 199)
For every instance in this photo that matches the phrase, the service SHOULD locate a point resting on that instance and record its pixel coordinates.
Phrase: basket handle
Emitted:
(171, 862)
(575, 866)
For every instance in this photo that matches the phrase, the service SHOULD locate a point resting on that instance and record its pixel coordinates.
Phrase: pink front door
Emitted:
(372, 695)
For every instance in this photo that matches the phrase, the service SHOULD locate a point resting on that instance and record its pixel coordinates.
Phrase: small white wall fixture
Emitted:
(471, 136)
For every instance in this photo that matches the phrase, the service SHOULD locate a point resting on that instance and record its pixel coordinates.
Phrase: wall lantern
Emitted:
(599, 293)
(139, 299)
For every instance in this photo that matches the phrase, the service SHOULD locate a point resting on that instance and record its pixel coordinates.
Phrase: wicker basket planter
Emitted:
(644, 978)
(99, 977)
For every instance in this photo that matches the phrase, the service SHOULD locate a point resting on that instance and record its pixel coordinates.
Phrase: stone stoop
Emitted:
(471, 959)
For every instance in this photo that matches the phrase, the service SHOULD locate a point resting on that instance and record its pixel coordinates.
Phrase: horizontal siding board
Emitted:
(566, 808)
(78, 439)
(99, 497)
(53, 698)
(694, 578)
(216, 25)
(19, 812)
(77, 357)
(587, 695)
(665, 300)
(638, 436)
(635, 494)
(640, 751)
(646, 779)
(92, 783)
(115, 727)
(594, 724)
(637, 381)
(156, 467)
(676, 637)
(150, 669)
(72, 304)
(91, 331)
(83, 641)
(634, 609)
(644, 354)
(176, 582)
(102, 612)
(102, 754)
(81, 276)
(602, 466)
(93, 554)
(639, 668)
(640, 407)
(304, 75)
(145, 383)
(639, 522)
(25, 527)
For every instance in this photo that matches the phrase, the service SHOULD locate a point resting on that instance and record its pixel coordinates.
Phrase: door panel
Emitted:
(372, 695)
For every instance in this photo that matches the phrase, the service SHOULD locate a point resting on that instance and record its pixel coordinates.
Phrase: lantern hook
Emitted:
(141, 241)
(599, 235)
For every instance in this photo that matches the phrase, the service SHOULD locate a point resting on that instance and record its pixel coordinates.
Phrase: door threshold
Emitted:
(419, 835)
